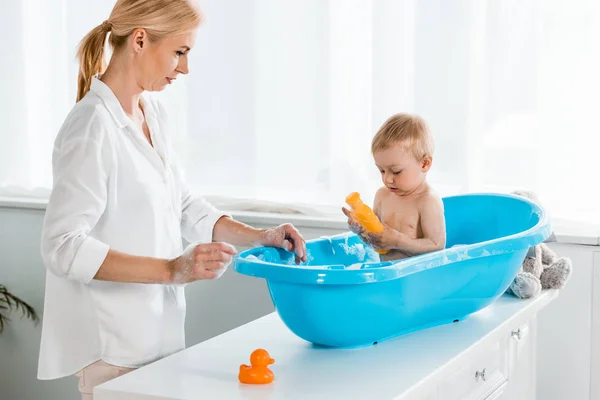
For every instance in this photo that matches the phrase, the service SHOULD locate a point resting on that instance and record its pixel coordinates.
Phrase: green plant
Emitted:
(9, 301)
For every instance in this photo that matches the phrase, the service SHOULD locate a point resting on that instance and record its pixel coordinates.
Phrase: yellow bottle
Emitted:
(365, 216)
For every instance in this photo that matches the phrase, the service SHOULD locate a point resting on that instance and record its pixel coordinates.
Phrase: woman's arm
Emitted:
(81, 166)
(239, 234)
(204, 261)
(121, 267)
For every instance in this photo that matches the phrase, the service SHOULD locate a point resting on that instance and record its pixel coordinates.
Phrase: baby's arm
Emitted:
(432, 224)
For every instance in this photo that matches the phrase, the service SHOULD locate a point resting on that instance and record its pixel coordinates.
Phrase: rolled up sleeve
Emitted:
(81, 162)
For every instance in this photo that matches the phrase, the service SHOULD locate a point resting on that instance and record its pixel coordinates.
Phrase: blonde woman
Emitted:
(112, 234)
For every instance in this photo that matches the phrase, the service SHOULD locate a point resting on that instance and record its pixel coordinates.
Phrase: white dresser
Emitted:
(488, 356)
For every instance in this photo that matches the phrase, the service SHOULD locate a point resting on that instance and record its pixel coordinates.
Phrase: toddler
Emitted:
(413, 215)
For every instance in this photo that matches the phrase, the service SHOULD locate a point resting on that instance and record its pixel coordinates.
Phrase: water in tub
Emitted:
(359, 252)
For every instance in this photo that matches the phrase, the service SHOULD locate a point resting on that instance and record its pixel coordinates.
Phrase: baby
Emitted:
(413, 215)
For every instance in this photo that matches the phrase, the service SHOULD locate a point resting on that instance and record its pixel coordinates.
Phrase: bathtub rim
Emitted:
(336, 274)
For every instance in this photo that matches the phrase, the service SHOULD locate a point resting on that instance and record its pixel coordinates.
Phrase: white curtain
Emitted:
(284, 97)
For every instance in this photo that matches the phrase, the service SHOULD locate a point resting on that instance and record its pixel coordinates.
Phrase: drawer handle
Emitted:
(516, 334)
(480, 374)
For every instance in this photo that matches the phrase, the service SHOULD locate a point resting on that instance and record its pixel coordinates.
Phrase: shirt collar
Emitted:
(111, 102)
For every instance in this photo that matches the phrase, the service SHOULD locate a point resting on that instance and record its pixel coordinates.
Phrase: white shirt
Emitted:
(112, 189)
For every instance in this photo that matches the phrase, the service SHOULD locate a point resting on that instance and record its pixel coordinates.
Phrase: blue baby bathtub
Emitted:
(343, 296)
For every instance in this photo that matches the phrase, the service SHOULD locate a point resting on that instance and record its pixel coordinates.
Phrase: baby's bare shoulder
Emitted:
(431, 200)
(382, 192)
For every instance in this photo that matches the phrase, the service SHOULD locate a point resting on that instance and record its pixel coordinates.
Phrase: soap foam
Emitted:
(354, 266)
(357, 250)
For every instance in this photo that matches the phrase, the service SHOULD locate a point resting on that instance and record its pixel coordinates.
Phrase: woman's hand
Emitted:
(201, 261)
(286, 237)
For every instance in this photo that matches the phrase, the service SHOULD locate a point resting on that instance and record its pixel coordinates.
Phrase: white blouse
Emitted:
(113, 190)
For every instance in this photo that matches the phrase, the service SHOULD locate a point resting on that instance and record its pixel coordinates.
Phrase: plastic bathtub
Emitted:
(343, 296)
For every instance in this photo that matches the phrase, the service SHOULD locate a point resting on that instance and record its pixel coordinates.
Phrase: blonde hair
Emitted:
(408, 130)
(160, 18)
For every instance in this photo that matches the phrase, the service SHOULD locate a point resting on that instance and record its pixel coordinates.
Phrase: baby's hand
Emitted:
(352, 223)
(386, 240)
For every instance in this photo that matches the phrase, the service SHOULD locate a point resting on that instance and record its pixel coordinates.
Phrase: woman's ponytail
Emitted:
(91, 57)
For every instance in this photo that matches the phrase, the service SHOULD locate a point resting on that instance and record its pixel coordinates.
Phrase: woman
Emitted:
(112, 234)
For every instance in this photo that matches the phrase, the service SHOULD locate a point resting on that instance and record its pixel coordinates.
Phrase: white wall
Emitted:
(565, 335)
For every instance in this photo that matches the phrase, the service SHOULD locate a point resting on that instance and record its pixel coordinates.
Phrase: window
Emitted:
(284, 97)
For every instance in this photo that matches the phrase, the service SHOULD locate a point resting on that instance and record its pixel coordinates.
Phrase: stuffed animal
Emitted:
(542, 268)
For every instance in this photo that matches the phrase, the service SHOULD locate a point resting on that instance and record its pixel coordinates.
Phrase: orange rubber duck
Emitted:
(257, 372)
(365, 216)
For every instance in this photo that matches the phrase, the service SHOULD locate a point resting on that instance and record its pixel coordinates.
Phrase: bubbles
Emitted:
(344, 252)
(460, 255)
(187, 265)
(309, 257)
(332, 246)
(371, 254)
(356, 250)
(354, 266)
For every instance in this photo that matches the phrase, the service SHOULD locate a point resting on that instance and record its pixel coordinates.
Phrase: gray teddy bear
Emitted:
(542, 268)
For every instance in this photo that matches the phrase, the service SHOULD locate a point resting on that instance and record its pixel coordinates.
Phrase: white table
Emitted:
(441, 363)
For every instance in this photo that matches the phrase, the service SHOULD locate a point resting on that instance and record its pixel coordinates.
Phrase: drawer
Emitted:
(479, 378)
(426, 393)
(497, 395)
(519, 339)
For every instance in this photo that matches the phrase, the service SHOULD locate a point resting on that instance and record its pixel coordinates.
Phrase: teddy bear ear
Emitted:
(551, 238)
(528, 194)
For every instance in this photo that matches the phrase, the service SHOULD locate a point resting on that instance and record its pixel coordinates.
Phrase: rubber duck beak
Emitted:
(271, 360)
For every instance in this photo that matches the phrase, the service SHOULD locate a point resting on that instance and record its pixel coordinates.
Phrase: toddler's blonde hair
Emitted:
(407, 130)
